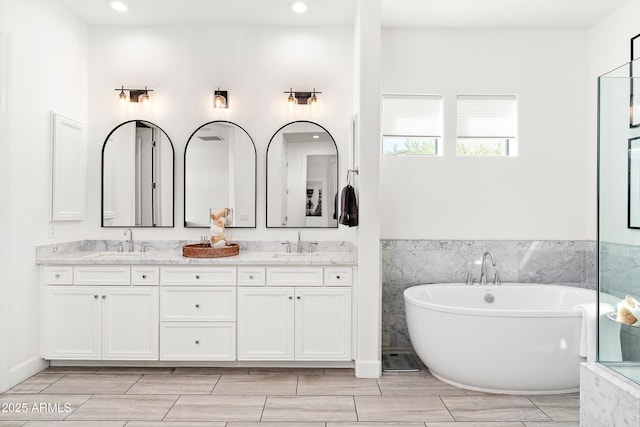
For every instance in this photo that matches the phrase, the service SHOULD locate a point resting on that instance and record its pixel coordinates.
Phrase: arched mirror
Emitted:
(302, 177)
(137, 176)
(220, 172)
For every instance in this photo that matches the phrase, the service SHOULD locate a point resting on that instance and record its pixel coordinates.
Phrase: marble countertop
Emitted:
(174, 257)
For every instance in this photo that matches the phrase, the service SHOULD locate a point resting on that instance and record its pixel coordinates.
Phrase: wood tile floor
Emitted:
(243, 397)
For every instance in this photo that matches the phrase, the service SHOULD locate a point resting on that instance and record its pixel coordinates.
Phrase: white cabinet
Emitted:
(198, 313)
(73, 323)
(265, 323)
(294, 323)
(130, 323)
(323, 324)
(115, 322)
(207, 341)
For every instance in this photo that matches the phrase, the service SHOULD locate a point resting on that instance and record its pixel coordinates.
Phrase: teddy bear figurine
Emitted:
(216, 227)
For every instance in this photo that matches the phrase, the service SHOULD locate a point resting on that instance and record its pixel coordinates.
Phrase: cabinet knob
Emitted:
(197, 305)
(104, 297)
(290, 297)
(297, 297)
(197, 341)
(197, 276)
(57, 275)
(95, 296)
(338, 277)
(144, 276)
(251, 277)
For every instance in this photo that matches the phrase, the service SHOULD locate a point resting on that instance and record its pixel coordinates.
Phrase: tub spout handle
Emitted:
(469, 280)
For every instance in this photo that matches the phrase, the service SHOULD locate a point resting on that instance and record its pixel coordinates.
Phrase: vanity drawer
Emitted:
(294, 276)
(58, 275)
(251, 276)
(198, 304)
(338, 276)
(198, 276)
(198, 341)
(141, 275)
(102, 275)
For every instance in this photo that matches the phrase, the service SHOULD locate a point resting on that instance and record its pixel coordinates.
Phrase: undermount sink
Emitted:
(296, 254)
(110, 254)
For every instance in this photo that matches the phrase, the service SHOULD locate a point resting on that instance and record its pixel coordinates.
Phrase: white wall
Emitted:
(5, 212)
(541, 194)
(48, 72)
(367, 60)
(609, 48)
(183, 65)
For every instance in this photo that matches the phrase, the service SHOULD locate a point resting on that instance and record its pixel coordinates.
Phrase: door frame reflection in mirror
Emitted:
(173, 178)
(337, 178)
(255, 178)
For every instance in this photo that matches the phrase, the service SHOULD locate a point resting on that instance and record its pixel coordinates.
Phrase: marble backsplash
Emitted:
(408, 263)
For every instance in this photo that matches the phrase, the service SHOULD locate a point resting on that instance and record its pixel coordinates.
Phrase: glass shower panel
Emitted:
(619, 220)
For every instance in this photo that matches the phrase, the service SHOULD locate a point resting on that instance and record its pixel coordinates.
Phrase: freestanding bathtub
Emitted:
(510, 338)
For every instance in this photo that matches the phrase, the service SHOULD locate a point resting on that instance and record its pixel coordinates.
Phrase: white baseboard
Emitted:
(368, 368)
(19, 373)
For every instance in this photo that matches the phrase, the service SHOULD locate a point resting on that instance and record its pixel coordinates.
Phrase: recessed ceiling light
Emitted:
(119, 6)
(298, 6)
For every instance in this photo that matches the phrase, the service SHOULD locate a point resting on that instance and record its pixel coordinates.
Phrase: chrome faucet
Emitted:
(130, 239)
(483, 269)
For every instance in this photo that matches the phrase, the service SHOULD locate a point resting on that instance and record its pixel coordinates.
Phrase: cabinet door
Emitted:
(323, 324)
(265, 323)
(73, 323)
(130, 323)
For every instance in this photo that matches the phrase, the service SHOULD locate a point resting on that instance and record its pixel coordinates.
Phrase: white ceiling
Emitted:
(496, 13)
(395, 13)
(223, 12)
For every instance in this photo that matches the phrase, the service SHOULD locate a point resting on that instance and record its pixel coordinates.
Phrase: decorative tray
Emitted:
(204, 250)
(614, 316)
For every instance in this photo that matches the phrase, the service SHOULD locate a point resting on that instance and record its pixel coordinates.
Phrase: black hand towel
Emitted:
(349, 212)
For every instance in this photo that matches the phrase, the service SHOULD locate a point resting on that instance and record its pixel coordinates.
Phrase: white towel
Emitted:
(610, 349)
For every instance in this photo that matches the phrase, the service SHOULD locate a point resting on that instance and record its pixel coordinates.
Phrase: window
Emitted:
(487, 125)
(412, 124)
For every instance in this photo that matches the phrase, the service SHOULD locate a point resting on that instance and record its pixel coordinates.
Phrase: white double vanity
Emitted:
(159, 308)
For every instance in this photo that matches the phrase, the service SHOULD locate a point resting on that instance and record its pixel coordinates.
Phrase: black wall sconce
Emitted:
(303, 98)
(135, 95)
(220, 98)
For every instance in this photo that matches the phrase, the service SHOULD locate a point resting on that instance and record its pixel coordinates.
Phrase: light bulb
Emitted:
(219, 100)
(144, 98)
(122, 97)
(292, 99)
(119, 6)
(298, 6)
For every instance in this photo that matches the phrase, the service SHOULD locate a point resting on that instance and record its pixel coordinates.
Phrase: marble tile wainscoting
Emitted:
(408, 263)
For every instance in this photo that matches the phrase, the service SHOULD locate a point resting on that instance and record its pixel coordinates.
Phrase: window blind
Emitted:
(412, 115)
(487, 116)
